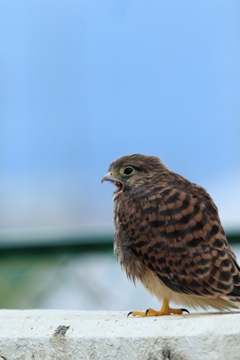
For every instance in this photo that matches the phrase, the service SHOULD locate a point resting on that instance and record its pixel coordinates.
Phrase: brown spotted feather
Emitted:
(171, 227)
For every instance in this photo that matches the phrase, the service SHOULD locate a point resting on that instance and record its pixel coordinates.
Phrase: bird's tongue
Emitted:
(119, 186)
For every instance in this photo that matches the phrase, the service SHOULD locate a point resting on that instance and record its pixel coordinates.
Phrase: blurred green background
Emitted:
(71, 275)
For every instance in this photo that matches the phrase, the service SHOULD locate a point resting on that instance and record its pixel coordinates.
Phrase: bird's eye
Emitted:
(128, 171)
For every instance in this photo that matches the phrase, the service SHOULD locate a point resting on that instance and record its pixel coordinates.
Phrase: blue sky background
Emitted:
(85, 82)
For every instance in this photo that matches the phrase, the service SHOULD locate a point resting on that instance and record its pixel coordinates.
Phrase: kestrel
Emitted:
(169, 236)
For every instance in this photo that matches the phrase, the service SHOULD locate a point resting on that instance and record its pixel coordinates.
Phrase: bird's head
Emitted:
(135, 170)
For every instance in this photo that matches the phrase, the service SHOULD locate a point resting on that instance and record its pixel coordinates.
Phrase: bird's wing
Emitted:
(179, 237)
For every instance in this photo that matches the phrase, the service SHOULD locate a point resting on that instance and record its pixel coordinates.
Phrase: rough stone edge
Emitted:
(59, 335)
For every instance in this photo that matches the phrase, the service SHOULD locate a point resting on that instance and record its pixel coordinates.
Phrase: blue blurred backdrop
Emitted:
(84, 82)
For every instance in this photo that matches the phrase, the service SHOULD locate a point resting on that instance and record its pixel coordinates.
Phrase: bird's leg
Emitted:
(165, 310)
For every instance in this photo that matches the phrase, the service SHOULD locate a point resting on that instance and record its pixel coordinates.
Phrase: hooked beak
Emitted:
(119, 185)
(108, 177)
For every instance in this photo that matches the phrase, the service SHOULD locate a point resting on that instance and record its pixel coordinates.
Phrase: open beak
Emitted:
(119, 185)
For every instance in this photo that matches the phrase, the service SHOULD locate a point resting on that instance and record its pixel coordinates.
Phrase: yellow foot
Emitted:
(165, 310)
(151, 312)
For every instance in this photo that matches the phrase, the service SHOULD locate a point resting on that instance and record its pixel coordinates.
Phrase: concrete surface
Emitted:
(75, 335)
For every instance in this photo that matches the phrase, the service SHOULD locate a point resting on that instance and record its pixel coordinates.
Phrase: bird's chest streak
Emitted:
(134, 268)
(123, 250)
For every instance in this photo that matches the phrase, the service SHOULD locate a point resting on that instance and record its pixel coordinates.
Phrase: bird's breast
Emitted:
(124, 252)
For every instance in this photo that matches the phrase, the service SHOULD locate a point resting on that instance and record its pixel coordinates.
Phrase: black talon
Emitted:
(185, 310)
(129, 313)
(146, 311)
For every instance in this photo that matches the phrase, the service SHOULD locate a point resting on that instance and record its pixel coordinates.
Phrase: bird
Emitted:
(168, 235)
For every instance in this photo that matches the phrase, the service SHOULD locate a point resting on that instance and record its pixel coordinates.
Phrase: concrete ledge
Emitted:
(75, 335)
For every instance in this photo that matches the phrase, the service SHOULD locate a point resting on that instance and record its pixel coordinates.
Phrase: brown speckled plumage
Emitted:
(169, 236)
